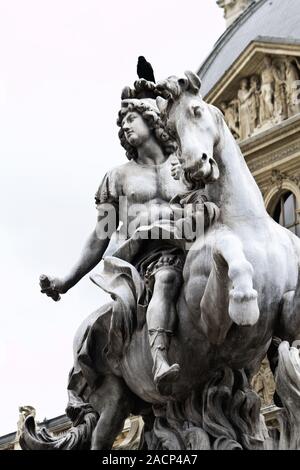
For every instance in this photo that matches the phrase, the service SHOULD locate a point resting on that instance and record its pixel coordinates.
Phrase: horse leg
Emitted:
(112, 401)
(214, 320)
(229, 288)
(243, 306)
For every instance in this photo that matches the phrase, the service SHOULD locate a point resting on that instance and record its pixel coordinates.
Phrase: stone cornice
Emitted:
(277, 145)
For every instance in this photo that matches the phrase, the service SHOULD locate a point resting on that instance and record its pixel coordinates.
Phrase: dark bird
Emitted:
(145, 70)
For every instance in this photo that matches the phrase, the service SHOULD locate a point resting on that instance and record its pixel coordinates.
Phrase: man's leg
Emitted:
(161, 319)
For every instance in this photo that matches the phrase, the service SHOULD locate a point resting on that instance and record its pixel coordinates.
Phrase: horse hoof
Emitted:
(165, 381)
(243, 307)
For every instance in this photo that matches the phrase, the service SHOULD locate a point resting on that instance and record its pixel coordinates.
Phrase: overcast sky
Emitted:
(63, 64)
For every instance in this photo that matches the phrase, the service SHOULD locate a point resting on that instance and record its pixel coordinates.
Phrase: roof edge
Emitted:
(258, 44)
(228, 33)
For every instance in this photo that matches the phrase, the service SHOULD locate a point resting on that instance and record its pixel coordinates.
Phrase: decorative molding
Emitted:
(279, 177)
(286, 130)
(233, 9)
(273, 157)
(279, 183)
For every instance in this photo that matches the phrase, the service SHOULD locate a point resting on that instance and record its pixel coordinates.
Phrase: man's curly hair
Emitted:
(152, 118)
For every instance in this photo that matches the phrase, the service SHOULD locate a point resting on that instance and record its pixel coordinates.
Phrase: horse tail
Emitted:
(77, 438)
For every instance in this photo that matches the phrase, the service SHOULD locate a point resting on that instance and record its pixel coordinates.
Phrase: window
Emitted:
(285, 212)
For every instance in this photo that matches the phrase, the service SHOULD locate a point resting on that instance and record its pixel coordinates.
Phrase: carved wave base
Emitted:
(226, 415)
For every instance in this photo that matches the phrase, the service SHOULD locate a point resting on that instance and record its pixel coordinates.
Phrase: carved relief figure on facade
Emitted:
(292, 77)
(244, 95)
(267, 89)
(231, 115)
(280, 95)
(254, 103)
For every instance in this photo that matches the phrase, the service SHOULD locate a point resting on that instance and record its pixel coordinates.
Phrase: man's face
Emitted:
(135, 129)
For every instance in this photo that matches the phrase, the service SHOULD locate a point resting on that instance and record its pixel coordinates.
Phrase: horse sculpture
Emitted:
(241, 288)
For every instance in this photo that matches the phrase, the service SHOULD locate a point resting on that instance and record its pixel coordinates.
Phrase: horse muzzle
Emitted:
(205, 170)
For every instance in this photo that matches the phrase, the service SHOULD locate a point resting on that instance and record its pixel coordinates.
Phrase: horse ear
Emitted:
(162, 105)
(194, 81)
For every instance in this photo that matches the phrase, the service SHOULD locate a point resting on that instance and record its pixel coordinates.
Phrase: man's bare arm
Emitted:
(91, 255)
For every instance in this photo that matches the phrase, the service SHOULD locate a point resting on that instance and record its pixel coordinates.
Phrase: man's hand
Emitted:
(176, 170)
(52, 287)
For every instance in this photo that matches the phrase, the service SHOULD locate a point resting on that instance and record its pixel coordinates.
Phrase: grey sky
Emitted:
(63, 64)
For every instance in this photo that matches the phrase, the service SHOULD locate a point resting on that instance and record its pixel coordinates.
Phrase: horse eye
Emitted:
(197, 111)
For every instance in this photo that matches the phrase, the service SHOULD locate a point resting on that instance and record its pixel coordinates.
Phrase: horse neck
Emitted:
(236, 192)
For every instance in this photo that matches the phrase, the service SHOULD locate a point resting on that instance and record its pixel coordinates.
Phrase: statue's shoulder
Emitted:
(111, 185)
(118, 172)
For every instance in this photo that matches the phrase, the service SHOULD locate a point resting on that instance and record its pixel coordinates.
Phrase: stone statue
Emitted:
(263, 383)
(244, 95)
(292, 85)
(233, 8)
(280, 93)
(230, 112)
(235, 292)
(147, 184)
(254, 103)
(267, 89)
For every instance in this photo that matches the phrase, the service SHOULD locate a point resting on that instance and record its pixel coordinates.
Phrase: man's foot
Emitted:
(165, 377)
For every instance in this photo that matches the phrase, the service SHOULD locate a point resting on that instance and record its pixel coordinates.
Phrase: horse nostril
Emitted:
(204, 157)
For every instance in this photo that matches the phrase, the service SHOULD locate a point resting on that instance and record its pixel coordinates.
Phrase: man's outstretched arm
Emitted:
(91, 255)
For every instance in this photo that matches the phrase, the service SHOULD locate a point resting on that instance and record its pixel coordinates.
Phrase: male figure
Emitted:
(254, 103)
(280, 93)
(147, 184)
(292, 85)
(231, 116)
(267, 88)
(244, 109)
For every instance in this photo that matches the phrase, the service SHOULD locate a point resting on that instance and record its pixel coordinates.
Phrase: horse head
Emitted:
(193, 123)
(207, 149)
